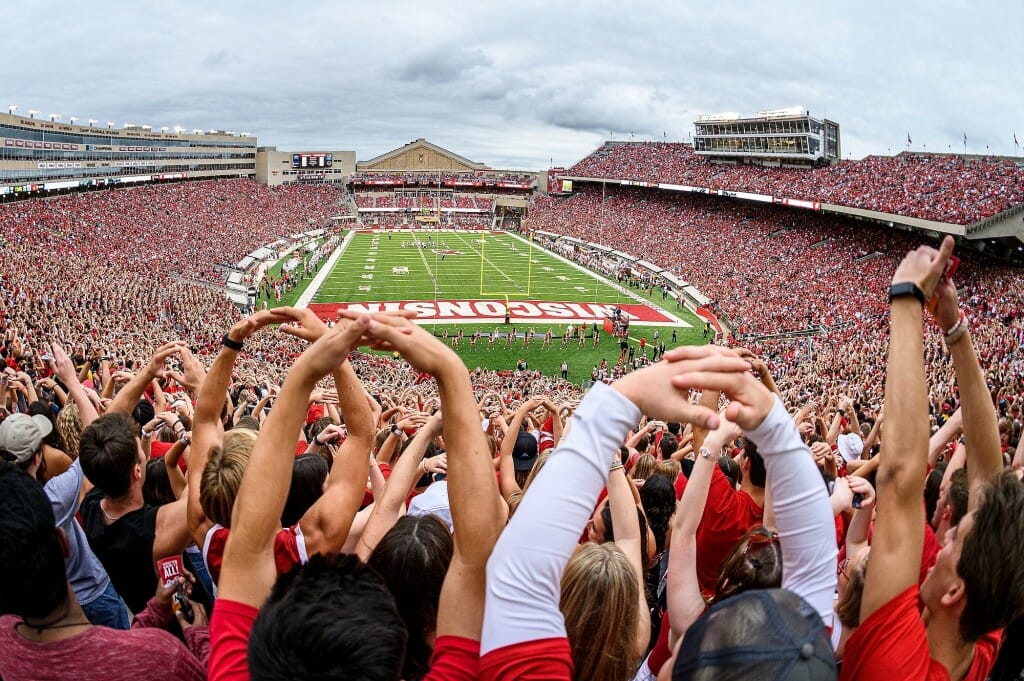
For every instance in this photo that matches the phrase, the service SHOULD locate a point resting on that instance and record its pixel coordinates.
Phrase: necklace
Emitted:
(109, 517)
(53, 624)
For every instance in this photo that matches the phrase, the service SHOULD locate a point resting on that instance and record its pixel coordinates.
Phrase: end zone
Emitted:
(493, 311)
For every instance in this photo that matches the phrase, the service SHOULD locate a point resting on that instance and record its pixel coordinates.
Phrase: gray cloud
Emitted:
(528, 83)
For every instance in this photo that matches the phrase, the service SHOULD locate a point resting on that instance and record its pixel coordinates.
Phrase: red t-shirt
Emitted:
(229, 640)
(727, 517)
(548, 659)
(893, 644)
(454, 659)
(289, 549)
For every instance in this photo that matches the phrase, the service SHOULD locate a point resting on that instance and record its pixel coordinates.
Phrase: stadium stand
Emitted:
(555, 566)
(944, 188)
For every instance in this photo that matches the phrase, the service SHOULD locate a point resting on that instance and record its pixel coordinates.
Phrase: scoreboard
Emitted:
(312, 160)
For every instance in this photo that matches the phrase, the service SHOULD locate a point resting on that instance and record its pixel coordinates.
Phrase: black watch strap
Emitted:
(228, 343)
(906, 288)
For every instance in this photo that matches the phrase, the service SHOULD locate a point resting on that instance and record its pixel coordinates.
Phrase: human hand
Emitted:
(924, 266)
(861, 486)
(63, 367)
(308, 326)
(436, 464)
(716, 368)
(331, 433)
(244, 328)
(193, 372)
(199, 616)
(392, 332)
(842, 495)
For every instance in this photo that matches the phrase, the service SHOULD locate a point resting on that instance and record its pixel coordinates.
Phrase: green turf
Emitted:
(499, 266)
(487, 270)
(548, 360)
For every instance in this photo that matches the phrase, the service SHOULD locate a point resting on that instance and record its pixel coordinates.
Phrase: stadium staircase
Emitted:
(869, 256)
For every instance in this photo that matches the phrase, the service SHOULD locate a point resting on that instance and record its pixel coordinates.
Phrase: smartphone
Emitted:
(179, 602)
(858, 500)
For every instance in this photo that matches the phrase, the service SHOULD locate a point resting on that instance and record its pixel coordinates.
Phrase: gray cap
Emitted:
(21, 435)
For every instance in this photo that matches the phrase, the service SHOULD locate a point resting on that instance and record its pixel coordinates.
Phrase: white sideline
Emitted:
(604, 280)
(314, 286)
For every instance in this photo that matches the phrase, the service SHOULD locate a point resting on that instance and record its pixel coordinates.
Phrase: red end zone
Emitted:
(488, 311)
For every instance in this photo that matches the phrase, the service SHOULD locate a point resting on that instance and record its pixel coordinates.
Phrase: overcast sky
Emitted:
(517, 84)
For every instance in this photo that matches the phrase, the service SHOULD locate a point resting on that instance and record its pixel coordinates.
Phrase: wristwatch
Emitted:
(906, 288)
(705, 453)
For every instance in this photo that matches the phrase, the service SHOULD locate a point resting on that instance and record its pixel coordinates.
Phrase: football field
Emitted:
(468, 281)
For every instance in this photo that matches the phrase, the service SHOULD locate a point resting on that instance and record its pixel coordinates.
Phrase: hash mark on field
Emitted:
(563, 278)
(546, 268)
(371, 260)
(367, 276)
(368, 267)
(580, 288)
(364, 288)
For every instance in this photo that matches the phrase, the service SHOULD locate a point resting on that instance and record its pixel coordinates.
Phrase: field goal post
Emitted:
(483, 261)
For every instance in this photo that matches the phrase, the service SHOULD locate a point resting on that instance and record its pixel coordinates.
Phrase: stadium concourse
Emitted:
(219, 453)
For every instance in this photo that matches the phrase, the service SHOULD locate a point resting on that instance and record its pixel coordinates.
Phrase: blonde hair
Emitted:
(669, 468)
(69, 425)
(643, 468)
(600, 603)
(223, 475)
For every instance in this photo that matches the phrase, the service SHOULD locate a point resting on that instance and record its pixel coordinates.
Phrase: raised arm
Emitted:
(64, 369)
(685, 602)
(899, 523)
(388, 509)
(627, 537)
(248, 570)
(129, 395)
(478, 513)
(524, 573)
(981, 431)
(207, 429)
(326, 524)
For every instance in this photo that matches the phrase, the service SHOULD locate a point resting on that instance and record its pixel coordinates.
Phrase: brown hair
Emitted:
(755, 563)
(670, 469)
(600, 602)
(223, 475)
(991, 559)
(848, 605)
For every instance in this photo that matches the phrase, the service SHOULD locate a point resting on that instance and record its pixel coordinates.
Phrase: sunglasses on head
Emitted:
(760, 539)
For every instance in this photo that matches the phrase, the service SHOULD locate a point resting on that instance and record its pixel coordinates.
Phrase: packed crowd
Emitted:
(945, 188)
(443, 179)
(373, 517)
(772, 270)
(423, 202)
(193, 494)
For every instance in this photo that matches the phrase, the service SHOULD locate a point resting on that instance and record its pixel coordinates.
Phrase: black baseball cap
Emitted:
(763, 634)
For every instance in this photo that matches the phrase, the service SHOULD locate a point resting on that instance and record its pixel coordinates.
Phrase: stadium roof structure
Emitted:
(420, 155)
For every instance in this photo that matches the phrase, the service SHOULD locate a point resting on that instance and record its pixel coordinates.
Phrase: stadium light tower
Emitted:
(198, 131)
(164, 129)
(54, 117)
(110, 124)
(11, 108)
(72, 120)
(91, 121)
(32, 113)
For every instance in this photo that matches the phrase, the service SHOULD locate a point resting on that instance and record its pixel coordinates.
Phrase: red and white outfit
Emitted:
(524, 634)
(289, 549)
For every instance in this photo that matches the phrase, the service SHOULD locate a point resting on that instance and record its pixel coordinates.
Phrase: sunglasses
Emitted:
(760, 539)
